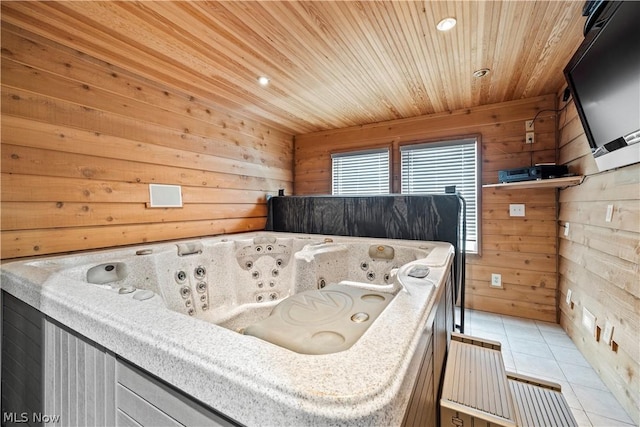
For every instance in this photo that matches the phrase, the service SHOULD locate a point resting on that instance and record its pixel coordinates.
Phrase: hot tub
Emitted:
(267, 328)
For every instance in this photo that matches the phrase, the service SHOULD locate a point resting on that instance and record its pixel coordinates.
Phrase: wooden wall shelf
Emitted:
(542, 183)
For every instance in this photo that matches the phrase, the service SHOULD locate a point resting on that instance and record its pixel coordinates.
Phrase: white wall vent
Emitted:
(165, 196)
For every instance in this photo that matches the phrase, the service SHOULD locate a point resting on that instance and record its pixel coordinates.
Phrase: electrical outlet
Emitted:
(528, 125)
(530, 138)
(566, 229)
(496, 280)
(609, 215)
(516, 210)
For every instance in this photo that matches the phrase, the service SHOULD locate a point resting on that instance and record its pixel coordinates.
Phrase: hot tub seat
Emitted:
(321, 321)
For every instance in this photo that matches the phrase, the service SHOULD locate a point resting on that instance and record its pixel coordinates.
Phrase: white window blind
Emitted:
(360, 172)
(429, 168)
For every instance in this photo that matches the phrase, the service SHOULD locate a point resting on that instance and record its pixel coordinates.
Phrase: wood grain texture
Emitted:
(599, 262)
(331, 64)
(83, 138)
(523, 250)
(99, 99)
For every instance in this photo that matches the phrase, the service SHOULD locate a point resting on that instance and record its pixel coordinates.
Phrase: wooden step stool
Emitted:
(478, 391)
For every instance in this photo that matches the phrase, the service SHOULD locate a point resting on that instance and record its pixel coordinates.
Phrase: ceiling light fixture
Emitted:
(263, 80)
(446, 24)
(481, 73)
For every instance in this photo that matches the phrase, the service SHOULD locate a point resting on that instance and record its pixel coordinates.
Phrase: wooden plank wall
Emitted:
(523, 250)
(599, 261)
(82, 139)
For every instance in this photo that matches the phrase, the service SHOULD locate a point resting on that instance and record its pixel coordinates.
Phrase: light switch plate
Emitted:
(569, 294)
(566, 229)
(609, 216)
(607, 335)
(589, 321)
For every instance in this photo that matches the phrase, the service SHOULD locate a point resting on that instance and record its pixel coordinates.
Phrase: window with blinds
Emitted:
(429, 168)
(360, 172)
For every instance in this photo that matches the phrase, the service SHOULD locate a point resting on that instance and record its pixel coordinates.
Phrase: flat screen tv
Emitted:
(604, 79)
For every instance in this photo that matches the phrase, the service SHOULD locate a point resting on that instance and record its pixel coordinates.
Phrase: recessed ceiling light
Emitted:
(263, 80)
(481, 73)
(446, 24)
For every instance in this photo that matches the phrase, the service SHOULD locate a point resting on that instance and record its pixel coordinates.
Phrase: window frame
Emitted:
(395, 171)
(451, 140)
(362, 151)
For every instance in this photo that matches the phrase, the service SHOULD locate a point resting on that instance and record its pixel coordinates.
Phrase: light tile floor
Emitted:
(544, 350)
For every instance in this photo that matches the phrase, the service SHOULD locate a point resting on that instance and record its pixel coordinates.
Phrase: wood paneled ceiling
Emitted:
(332, 64)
